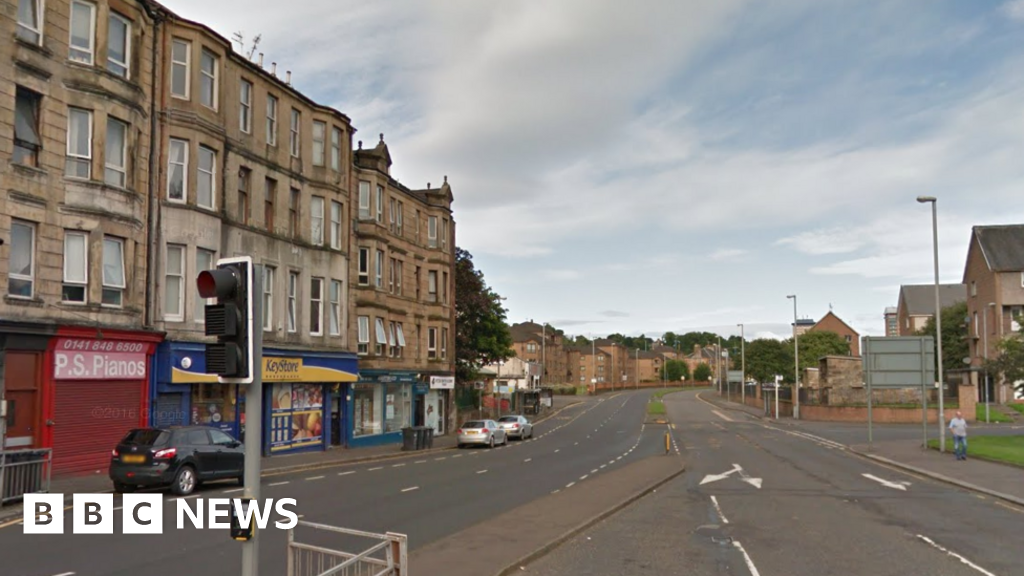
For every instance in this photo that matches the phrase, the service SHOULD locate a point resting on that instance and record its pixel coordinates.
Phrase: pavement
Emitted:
(428, 497)
(287, 463)
(761, 497)
(901, 445)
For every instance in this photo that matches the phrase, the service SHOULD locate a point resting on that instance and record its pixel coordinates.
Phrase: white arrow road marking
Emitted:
(722, 416)
(902, 485)
(933, 544)
(718, 509)
(755, 482)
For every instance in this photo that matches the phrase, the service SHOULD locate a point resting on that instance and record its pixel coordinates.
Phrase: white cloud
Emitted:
(1014, 9)
(816, 242)
(560, 275)
(727, 254)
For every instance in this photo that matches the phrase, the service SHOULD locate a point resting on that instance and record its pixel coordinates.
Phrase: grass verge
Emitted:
(656, 408)
(1017, 407)
(994, 415)
(661, 393)
(1005, 449)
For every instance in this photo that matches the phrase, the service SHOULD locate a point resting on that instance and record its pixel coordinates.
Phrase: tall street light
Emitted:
(938, 318)
(988, 400)
(743, 365)
(796, 363)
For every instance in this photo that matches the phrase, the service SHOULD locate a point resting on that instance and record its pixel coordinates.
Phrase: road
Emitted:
(425, 497)
(819, 511)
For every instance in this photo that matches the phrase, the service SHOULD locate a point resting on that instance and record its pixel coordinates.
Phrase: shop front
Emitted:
(301, 391)
(441, 389)
(96, 390)
(381, 403)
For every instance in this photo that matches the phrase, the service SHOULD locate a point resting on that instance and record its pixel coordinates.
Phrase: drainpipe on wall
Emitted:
(155, 153)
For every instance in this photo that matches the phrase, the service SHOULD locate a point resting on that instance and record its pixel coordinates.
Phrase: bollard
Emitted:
(668, 442)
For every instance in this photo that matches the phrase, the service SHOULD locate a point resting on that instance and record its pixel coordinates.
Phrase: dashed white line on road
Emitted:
(481, 471)
(570, 484)
(66, 574)
(420, 462)
(410, 489)
(195, 496)
(721, 515)
(315, 478)
(279, 483)
(603, 465)
(346, 473)
(746, 558)
(397, 465)
(933, 544)
(557, 451)
(556, 491)
(594, 471)
(441, 458)
(527, 460)
(235, 490)
(377, 468)
(576, 444)
(584, 477)
(457, 456)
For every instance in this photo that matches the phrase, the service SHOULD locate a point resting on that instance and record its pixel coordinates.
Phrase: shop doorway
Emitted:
(337, 420)
(421, 409)
(21, 371)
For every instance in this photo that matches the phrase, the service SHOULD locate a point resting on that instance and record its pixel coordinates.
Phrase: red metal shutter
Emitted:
(89, 420)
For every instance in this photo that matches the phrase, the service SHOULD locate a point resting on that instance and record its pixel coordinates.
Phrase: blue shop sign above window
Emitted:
(422, 388)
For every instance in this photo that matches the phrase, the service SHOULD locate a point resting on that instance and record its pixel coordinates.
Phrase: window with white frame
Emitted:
(208, 88)
(401, 339)
(391, 214)
(115, 163)
(206, 178)
(364, 266)
(174, 283)
(364, 335)
(398, 277)
(205, 260)
(319, 135)
(398, 218)
(268, 298)
(335, 308)
(245, 106)
(21, 269)
(380, 204)
(391, 275)
(27, 140)
(379, 269)
(432, 231)
(336, 149)
(79, 150)
(295, 132)
(82, 41)
(432, 286)
(293, 296)
(119, 44)
(75, 289)
(382, 337)
(444, 343)
(30, 21)
(271, 120)
(392, 339)
(316, 307)
(114, 283)
(316, 219)
(336, 225)
(431, 343)
(181, 64)
(177, 170)
(364, 200)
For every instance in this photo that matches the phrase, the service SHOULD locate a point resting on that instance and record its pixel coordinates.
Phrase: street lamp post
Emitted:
(991, 305)
(637, 362)
(938, 318)
(796, 362)
(743, 364)
(718, 365)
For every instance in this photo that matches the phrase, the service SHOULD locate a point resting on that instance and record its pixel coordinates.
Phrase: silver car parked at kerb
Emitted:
(486, 432)
(516, 426)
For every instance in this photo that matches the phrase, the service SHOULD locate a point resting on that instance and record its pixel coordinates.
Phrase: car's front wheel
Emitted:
(184, 481)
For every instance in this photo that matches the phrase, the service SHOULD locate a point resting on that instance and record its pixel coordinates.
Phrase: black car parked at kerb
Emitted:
(179, 457)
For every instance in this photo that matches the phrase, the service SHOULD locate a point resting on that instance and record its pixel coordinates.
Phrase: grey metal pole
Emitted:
(637, 368)
(867, 378)
(924, 395)
(985, 357)
(718, 365)
(254, 424)
(743, 364)
(796, 363)
(938, 320)
(543, 352)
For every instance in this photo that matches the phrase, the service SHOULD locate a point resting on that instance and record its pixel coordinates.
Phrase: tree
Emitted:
(954, 335)
(702, 373)
(767, 357)
(670, 339)
(814, 345)
(1010, 362)
(481, 335)
(675, 370)
(580, 341)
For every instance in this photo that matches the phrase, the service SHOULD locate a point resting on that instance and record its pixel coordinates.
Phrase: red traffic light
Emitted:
(218, 283)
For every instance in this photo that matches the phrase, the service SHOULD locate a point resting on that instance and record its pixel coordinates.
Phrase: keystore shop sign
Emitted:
(79, 359)
(144, 514)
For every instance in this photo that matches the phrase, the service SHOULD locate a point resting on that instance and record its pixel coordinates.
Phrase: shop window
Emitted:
(397, 407)
(27, 142)
(366, 399)
(213, 405)
(296, 415)
(382, 338)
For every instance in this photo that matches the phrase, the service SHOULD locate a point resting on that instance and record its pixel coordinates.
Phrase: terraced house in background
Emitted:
(137, 148)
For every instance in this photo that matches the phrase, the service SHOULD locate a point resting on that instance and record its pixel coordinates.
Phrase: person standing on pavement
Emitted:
(959, 428)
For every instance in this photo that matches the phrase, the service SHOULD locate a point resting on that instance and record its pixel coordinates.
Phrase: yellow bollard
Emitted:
(668, 442)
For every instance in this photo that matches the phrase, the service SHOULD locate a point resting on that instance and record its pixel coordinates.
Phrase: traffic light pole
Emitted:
(254, 422)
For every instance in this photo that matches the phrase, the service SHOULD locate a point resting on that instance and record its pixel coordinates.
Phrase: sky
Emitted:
(676, 166)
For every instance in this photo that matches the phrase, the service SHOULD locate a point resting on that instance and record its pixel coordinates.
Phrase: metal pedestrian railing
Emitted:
(24, 472)
(388, 557)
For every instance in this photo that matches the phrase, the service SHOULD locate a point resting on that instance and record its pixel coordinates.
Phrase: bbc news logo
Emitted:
(144, 513)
